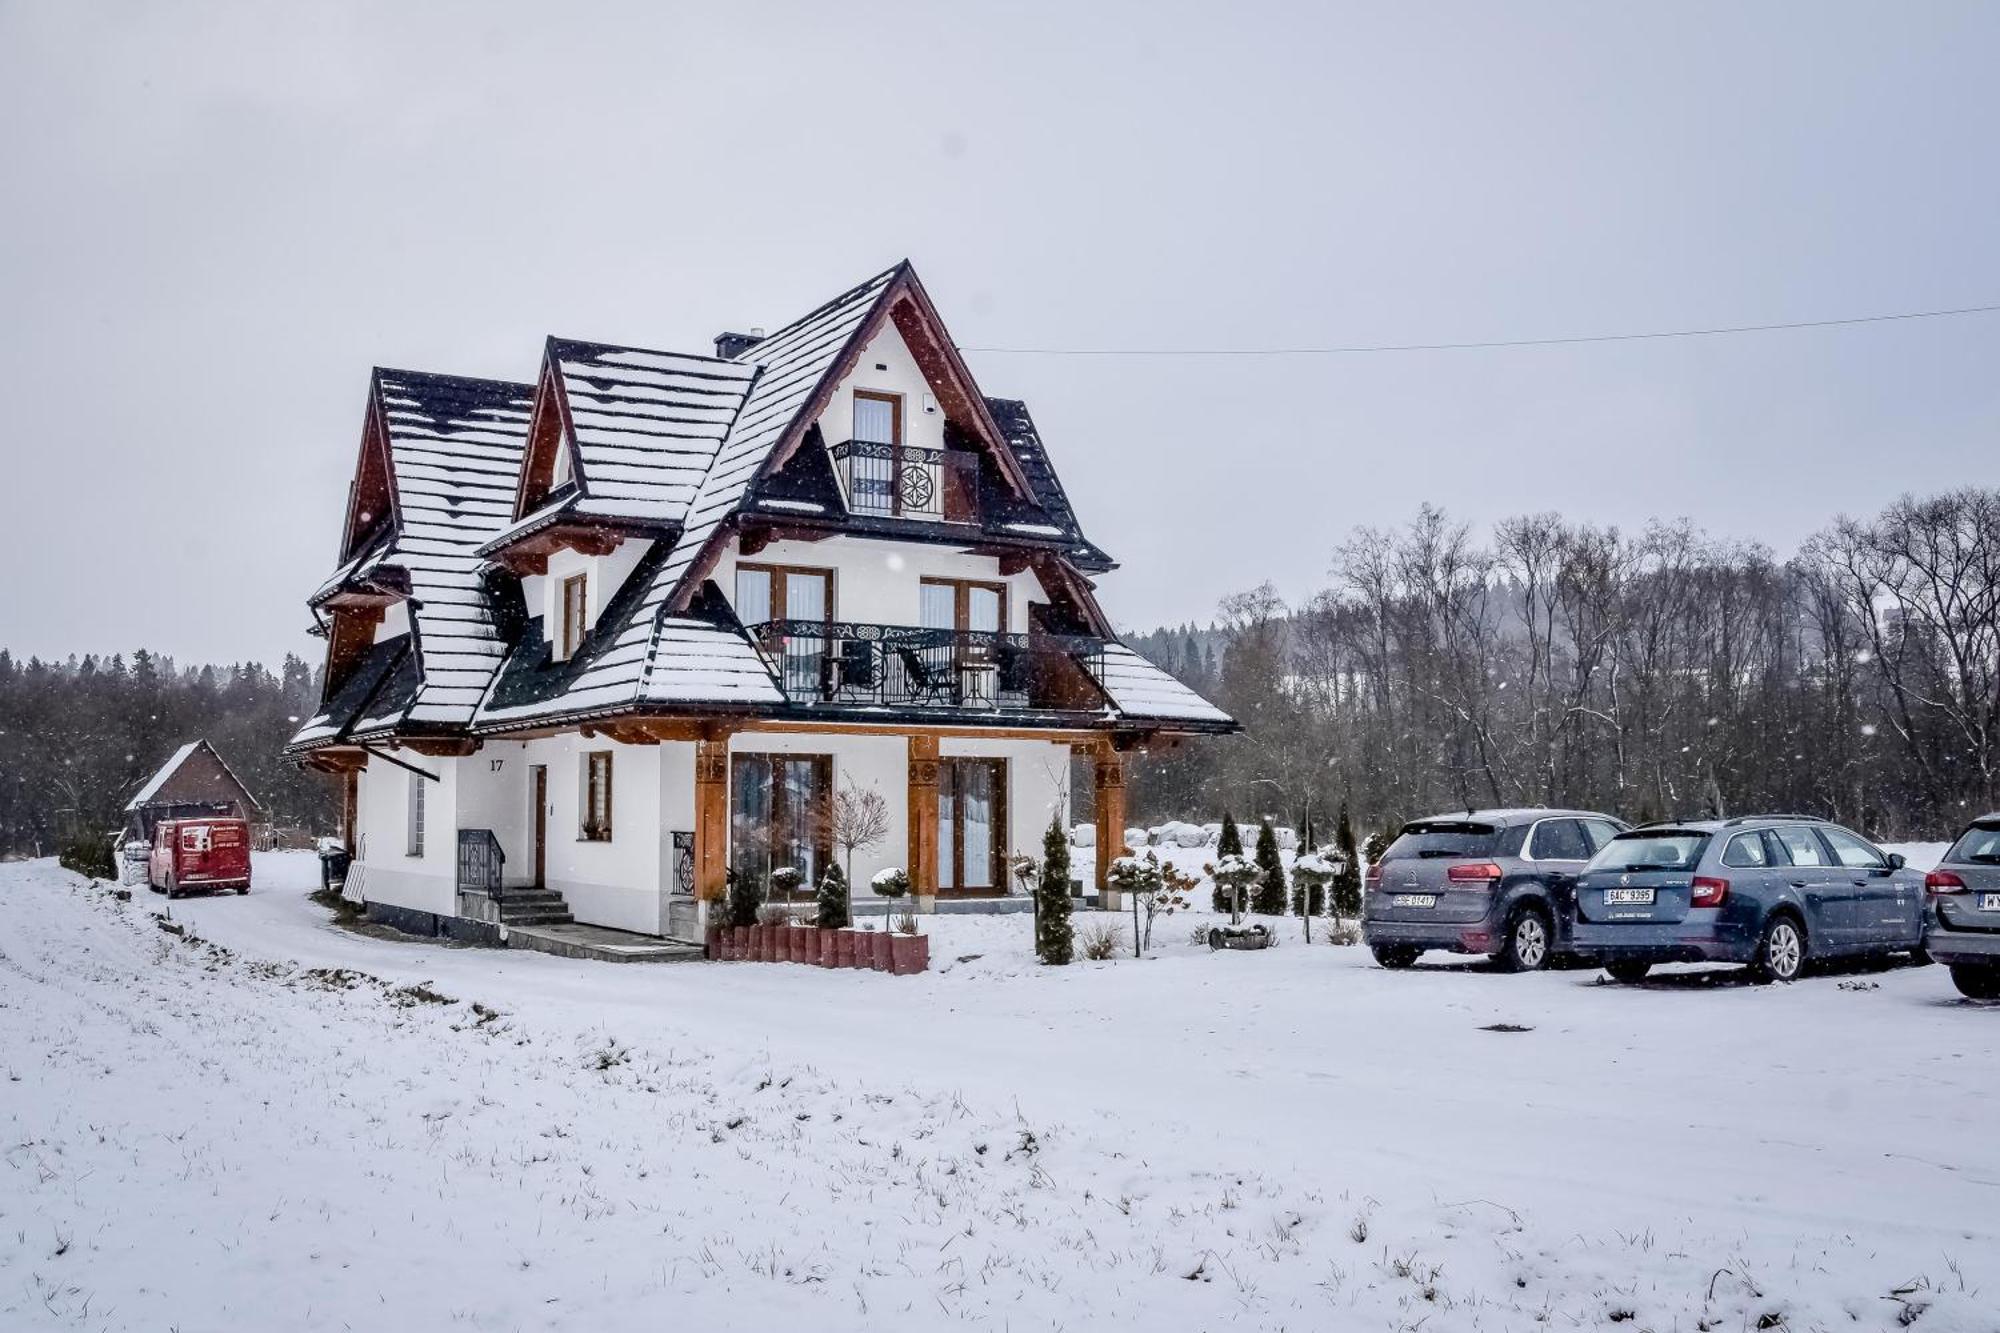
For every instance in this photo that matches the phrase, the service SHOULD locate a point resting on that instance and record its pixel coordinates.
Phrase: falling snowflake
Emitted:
(1868, 728)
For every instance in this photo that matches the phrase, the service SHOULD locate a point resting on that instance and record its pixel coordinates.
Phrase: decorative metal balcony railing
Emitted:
(838, 662)
(900, 481)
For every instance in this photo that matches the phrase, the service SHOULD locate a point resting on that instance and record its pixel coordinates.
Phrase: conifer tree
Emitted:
(1053, 941)
(1272, 896)
(1347, 883)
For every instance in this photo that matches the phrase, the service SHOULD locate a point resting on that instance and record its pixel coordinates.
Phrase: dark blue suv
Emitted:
(1772, 891)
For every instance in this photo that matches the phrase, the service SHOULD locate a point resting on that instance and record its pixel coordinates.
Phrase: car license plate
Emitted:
(1989, 902)
(1628, 897)
(1414, 900)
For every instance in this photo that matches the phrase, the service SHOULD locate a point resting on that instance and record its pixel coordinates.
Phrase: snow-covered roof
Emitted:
(179, 757)
(159, 778)
(1138, 689)
(646, 424)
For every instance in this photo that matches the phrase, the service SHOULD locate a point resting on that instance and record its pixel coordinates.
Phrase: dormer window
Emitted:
(575, 615)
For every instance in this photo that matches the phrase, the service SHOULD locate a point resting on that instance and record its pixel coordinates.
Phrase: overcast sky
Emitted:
(217, 218)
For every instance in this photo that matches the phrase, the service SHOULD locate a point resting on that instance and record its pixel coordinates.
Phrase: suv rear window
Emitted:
(1443, 838)
(1978, 845)
(1651, 849)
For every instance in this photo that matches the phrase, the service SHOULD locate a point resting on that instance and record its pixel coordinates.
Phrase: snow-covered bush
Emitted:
(1311, 874)
(832, 900)
(785, 881)
(1101, 941)
(1135, 874)
(1234, 877)
(1026, 870)
(1228, 843)
(891, 883)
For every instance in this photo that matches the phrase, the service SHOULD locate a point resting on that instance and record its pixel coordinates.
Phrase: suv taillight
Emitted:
(1374, 872)
(1708, 891)
(1943, 881)
(1473, 872)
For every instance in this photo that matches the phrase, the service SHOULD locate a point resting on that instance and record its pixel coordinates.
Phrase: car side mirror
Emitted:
(1897, 861)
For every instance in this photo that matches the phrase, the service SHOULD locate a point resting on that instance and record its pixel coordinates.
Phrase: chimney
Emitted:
(728, 346)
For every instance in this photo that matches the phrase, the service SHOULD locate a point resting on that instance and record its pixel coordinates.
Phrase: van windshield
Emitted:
(1443, 838)
(1650, 849)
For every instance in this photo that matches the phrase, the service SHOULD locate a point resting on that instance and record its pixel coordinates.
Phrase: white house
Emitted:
(595, 641)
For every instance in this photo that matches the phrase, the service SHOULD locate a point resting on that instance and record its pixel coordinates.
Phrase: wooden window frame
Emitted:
(594, 762)
(895, 402)
(575, 615)
(962, 599)
(414, 815)
(778, 574)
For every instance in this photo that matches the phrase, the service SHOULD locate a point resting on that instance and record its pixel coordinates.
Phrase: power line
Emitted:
(1471, 346)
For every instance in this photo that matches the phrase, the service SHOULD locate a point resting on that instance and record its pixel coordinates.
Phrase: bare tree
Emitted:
(855, 820)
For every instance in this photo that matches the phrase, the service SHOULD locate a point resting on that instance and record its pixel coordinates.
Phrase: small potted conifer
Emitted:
(893, 884)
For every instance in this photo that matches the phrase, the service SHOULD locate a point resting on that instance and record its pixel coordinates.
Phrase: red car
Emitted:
(205, 853)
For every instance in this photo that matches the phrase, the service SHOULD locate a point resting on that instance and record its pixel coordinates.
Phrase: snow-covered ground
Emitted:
(283, 1124)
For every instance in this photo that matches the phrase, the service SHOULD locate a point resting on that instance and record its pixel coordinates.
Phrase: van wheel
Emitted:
(1976, 981)
(1526, 948)
(243, 888)
(173, 889)
(1395, 957)
(1628, 971)
(1781, 954)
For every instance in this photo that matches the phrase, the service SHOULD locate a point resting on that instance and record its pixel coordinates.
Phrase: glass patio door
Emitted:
(777, 816)
(972, 795)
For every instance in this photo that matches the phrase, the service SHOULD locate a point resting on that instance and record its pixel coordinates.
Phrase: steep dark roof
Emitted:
(1026, 442)
(646, 424)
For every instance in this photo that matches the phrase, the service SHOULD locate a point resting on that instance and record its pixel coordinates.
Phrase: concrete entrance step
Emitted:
(601, 944)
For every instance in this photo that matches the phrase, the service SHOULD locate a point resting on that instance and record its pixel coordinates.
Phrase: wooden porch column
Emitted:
(711, 820)
(350, 811)
(1110, 807)
(923, 816)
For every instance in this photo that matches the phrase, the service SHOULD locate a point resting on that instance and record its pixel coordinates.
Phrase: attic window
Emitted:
(559, 474)
(575, 609)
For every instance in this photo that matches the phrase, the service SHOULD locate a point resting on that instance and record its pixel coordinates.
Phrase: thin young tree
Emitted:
(1054, 942)
(855, 820)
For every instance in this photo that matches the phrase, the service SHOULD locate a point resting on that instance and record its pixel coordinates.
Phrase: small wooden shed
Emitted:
(194, 781)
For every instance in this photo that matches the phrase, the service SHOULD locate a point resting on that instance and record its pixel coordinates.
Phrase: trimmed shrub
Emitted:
(746, 895)
(1310, 877)
(832, 901)
(90, 856)
(1347, 882)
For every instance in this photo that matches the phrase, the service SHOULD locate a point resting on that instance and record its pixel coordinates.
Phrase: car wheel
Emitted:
(173, 889)
(1395, 957)
(1781, 954)
(1628, 971)
(1921, 957)
(1526, 948)
(1976, 981)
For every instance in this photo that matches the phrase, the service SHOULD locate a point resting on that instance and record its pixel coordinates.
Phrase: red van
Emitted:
(205, 853)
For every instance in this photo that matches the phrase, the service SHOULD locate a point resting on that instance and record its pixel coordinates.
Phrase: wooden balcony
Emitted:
(900, 481)
(838, 663)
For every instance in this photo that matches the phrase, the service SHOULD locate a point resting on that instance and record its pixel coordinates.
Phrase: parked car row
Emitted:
(1771, 892)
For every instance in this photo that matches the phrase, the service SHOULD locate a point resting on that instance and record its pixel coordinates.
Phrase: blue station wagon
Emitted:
(1772, 891)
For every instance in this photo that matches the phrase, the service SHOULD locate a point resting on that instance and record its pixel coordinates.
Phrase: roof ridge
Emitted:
(379, 371)
(555, 341)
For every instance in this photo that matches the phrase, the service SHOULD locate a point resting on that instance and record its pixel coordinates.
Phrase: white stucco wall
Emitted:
(902, 377)
(421, 883)
(618, 883)
(607, 573)
(877, 582)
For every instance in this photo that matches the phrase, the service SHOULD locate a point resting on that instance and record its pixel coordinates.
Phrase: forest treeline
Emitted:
(1659, 674)
(78, 737)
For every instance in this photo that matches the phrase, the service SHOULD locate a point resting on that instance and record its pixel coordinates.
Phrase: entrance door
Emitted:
(972, 826)
(538, 800)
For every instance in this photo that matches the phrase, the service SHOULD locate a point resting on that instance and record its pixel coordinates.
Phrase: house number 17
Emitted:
(493, 765)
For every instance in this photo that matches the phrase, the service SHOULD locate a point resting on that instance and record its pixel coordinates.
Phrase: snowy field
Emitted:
(283, 1124)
